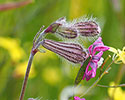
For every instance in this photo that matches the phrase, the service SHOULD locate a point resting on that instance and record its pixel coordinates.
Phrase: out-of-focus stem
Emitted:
(13, 5)
(104, 64)
(121, 85)
(26, 76)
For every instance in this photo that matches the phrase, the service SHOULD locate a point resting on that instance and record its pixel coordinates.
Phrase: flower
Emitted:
(94, 59)
(72, 29)
(119, 56)
(77, 98)
(70, 51)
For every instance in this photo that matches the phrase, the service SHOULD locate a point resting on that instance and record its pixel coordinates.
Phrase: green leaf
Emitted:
(81, 72)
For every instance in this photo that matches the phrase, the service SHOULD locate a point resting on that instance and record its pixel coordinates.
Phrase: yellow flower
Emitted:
(119, 94)
(119, 56)
(20, 70)
(13, 47)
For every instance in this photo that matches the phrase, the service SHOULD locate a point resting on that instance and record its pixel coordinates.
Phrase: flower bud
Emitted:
(67, 32)
(52, 28)
(88, 29)
(70, 51)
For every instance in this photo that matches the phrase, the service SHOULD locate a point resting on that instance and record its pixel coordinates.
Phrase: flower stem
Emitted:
(26, 76)
(115, 86)
(104, 64)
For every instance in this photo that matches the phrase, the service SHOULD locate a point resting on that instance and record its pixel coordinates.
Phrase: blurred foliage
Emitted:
(50, 74)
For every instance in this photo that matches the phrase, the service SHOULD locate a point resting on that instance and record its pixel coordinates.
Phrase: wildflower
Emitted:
(94, 59)
(72, 52)
(77, 98)
(119, 56)
(72, 30)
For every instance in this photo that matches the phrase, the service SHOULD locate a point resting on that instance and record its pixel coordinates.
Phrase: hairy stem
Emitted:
(26, 76)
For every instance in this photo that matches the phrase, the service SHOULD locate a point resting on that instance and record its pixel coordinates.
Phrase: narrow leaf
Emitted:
(81, 72)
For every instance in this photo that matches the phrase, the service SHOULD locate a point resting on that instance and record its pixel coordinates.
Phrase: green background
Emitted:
(52, 74)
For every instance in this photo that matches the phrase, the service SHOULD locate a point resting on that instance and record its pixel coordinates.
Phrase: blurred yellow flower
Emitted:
(119, 56)
(119, 94)
(51, 75)
(13, 47)
(21, 69)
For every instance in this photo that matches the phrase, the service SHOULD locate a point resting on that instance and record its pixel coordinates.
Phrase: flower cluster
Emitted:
(119, 55)
(74, 52)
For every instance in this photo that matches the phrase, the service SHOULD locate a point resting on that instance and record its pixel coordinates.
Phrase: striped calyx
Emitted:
(88, 28)
(72, 52)
(67, 32)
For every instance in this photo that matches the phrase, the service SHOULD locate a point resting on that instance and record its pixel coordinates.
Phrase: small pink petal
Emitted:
(101, 48)
(77, 98)
(90, 49)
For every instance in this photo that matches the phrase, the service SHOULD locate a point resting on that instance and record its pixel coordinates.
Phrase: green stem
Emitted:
(104, 64)
(121, 85)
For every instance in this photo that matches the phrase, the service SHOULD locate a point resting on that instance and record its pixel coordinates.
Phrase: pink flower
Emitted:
(96, 46)
(77, 98)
